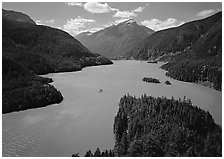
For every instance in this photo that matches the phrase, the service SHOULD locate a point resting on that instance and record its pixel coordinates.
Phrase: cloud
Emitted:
(94, 29)
(50, 21)
(116, 22)
(129, 14)
(74, 4)
(38, 22)
(120, 21)
(95, 7)
(91, 30)
(45, 22)
(156, 24)
(59, 28)
(205, 13)
(124, 14)
(139, 9)
(77, 25)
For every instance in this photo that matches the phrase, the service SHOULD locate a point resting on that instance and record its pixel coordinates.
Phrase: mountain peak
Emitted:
(129, 21)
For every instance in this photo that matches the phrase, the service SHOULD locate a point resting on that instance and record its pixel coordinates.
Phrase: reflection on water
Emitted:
(84, 120)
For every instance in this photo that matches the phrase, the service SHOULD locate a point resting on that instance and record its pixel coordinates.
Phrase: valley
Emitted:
(83, 83)
(84, 119)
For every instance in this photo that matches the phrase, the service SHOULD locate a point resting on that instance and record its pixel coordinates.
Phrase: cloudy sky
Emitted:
(76, 17)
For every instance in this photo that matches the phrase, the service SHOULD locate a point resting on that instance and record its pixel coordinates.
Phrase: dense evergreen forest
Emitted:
(161, 127)
(97, 153)
(189, 70)
(193, 50)
(150, 126)
(23, 89)
(167, 83)
(150, 80)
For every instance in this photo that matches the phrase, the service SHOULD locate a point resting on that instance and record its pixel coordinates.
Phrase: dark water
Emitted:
(84, 120)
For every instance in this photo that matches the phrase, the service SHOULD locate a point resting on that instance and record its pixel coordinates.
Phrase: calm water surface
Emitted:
(84, 120)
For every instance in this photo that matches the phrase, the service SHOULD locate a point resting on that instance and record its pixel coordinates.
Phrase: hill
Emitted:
(23, 89)
(161, 127)
(193, 51)
(29, 50)
(17, 16)
(49, 49)
(115, 41)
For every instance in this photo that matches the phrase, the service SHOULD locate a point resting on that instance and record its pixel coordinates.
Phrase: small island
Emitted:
(150, 80)
(167, 82)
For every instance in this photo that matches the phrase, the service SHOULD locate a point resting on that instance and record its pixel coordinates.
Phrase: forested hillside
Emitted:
(49, 49)
(17, 16)
(193, 51)
(23, 89)
(150, 126)
(29, 50)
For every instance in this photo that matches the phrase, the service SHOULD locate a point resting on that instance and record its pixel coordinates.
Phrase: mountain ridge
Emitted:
(30, 50)
(17, 16)
(171, 36)
(193, 50)
(115, 40)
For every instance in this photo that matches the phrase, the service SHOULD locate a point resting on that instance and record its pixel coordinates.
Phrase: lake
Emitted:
(84, 119)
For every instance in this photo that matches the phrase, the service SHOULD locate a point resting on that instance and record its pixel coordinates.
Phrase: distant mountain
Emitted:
(17, 16)
(116, 40)
(193, 50)
(30, 49)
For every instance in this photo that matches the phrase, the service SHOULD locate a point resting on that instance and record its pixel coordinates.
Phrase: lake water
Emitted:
(84, 120)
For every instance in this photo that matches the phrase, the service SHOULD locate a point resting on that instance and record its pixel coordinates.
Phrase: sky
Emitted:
(77, 17)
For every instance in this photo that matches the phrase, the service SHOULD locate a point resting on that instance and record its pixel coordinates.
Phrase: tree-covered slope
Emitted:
(28, 50)
(193, 51)
(55, 49)
(23, 89)
(17, 16)
(150, 126)
(178, 39)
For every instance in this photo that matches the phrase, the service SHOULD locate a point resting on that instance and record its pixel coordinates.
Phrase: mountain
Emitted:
(178, 39)
(116, 40)
(45, 47)
(17, 16)
(27, 47)
(193, 50)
